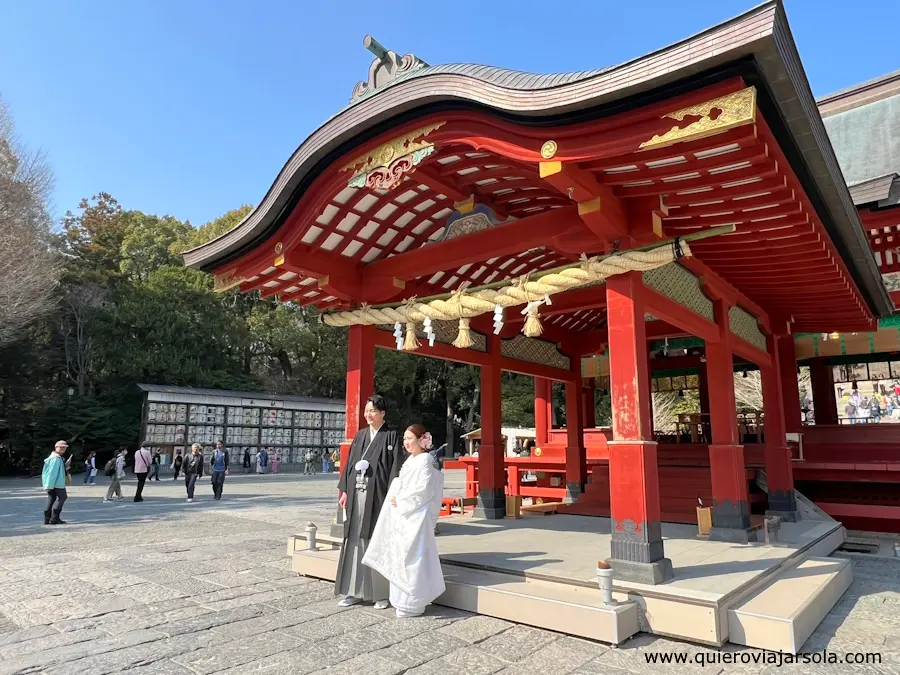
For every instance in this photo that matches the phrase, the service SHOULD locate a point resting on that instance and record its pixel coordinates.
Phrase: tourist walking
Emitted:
(246, 460)
(308, 462)
(53, 479)
(176, 464)
(90, 468)
(403, 548)
(193, 469)
(374, 461)
(276, 463)
(115, 469)
(262, 460)
(142, 462)
(219, 469)
(326, 461)
(154, 467)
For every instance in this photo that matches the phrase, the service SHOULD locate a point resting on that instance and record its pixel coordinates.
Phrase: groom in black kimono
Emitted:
(361, 495)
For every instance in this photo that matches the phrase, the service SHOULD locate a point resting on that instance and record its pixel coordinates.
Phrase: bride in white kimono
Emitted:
(403, 548)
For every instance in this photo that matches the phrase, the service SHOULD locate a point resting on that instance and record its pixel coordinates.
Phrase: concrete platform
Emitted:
(564, 608)
(540, 562)
(783, 615)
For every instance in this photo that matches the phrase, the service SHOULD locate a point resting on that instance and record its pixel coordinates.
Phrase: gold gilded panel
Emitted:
(719, 114)
(383, 155)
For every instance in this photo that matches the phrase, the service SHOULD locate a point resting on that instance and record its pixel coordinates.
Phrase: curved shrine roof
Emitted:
(335, 228)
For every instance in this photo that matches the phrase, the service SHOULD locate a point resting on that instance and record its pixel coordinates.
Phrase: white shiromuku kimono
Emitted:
(403, 548)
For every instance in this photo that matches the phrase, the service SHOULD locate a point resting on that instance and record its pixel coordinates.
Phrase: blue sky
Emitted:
(191, 107)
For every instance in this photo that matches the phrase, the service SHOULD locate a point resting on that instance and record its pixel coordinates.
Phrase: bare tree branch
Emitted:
(28, 269)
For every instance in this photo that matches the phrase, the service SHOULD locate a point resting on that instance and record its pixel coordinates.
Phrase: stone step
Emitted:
(565, 608)
(783, 615)
(552, 606)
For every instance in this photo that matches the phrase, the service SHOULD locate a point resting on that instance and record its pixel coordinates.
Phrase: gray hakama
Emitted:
(357, 580)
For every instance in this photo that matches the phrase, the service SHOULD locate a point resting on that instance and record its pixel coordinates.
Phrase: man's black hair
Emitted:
(377, 400)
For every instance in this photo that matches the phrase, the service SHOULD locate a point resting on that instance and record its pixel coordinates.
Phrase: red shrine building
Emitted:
(530, 223)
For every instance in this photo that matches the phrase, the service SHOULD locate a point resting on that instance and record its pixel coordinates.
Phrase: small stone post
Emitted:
(311, 536)
(605, 580)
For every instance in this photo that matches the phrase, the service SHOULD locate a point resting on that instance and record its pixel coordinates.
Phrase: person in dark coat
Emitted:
(374, 460)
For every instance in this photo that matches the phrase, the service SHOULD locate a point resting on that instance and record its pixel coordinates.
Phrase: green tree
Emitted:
(210, 230)
(148, 242)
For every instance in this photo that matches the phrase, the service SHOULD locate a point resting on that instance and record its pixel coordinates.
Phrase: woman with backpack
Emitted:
(115, 469)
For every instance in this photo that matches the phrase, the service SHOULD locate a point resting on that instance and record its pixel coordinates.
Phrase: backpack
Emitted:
(110, 468)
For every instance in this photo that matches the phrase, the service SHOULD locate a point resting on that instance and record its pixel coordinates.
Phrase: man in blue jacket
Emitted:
(53, 478)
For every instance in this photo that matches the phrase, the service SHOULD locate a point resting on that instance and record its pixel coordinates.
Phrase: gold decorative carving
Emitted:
(548, 150)
(383, 155)
(227, 281)
(719, 114)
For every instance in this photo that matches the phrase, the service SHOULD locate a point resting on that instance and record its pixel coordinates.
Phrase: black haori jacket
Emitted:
(385, 456)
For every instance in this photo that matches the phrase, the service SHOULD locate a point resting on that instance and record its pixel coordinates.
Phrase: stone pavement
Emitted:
(169, 588)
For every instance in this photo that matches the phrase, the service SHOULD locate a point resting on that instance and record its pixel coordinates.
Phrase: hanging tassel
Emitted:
(411, 343)
(533, 326)
(464, 336)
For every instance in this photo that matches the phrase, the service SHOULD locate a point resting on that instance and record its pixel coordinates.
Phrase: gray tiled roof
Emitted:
(866, 141)
(166, 389)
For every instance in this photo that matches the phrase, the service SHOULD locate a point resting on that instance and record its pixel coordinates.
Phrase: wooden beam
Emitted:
(598, 207)
(385, 340)
(506, 239)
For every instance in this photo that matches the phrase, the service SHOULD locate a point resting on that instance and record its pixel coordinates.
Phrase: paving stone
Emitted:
(475, 628)
(65, 654)
(346, 647)
(421, 648)
(138, 655)
(210, 660)
(364, 664)
(402, 629)
(26, 634)
(560, 656)
(321, 628)
(293, 662)
(149, 592)
(228, 593)
(264, 598)
(230, 580)
(266, 623)
(517, 643)
(303, 596)
(166, 667)
(75, 607)
(212, 619)
(595, 667)
(472, 660)
(327, 607)
(47, 642)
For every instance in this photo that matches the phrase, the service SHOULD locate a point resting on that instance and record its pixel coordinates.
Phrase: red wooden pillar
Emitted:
(822, 381)
(779, 466)
(543, 415)
(576, 457)
(731, 502)
(360, 386)
(784, 350)
(590, 386)
(491, 453)
(360, 382)
(637, 552)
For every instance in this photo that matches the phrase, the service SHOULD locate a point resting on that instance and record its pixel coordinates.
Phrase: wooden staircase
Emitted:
(679, 488)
